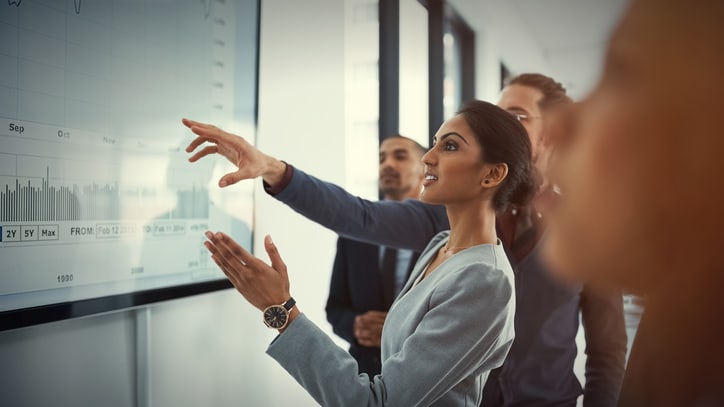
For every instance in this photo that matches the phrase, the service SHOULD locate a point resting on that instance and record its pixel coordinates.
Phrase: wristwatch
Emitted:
(277, 316)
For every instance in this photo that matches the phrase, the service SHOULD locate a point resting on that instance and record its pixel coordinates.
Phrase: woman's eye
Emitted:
(450, 146)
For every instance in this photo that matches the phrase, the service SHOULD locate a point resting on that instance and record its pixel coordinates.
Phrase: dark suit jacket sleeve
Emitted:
(409, 224)
(339, 303)
(605, 330)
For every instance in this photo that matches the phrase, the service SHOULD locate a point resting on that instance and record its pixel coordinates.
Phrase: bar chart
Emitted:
(24, 202)
(28, 203)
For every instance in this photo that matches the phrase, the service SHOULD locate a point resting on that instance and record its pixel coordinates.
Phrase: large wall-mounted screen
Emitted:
(99, 207)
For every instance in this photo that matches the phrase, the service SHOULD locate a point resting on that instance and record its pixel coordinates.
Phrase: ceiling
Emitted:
(569, 37)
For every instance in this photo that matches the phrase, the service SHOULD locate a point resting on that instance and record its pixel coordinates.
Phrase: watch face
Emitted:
(275, 317)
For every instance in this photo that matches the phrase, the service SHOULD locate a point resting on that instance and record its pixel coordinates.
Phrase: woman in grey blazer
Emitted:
(453, 321)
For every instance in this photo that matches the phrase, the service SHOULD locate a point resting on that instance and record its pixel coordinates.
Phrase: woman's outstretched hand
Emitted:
(262, 285)
(250, 162)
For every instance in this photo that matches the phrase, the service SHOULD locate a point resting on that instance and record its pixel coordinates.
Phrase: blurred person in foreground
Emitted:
(641, 208)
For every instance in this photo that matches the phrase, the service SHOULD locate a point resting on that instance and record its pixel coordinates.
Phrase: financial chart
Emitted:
(97, 197)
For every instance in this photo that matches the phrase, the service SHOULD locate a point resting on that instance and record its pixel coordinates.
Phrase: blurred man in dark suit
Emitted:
(366, 278)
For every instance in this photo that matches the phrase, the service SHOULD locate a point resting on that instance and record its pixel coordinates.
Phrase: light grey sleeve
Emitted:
(466, 330)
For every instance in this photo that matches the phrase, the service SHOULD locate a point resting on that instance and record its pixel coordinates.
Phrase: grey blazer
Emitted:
(440, 340)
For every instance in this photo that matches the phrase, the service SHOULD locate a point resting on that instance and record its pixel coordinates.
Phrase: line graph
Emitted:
(207, 6)
(76, 3)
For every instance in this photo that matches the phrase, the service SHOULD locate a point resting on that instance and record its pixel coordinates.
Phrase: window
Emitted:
(452, 86)
(414, 75)
(427, 55)
(458, 54)
(361, 44)
(451, 63)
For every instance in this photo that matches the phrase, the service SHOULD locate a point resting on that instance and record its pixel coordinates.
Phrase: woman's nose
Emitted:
(429, 157)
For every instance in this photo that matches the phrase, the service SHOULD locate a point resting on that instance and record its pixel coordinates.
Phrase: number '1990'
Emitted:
(65, 278)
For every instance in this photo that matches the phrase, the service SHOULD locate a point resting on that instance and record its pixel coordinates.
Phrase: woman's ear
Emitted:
(494, 174)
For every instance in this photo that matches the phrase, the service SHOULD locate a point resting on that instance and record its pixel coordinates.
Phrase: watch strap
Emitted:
(289, 304)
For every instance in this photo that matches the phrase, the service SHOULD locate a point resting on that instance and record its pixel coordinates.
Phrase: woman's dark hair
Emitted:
(504, 140)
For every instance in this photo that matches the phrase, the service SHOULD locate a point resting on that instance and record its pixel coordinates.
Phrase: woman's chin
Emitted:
(429, 198)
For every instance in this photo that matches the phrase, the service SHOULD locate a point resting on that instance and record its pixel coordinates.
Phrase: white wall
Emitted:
(500, 35)
(83, 362)
(208, 350)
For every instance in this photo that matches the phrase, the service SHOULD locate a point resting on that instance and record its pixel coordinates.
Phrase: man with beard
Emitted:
(366, 278)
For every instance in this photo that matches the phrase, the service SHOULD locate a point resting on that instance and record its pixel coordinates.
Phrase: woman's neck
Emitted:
(471, 224)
